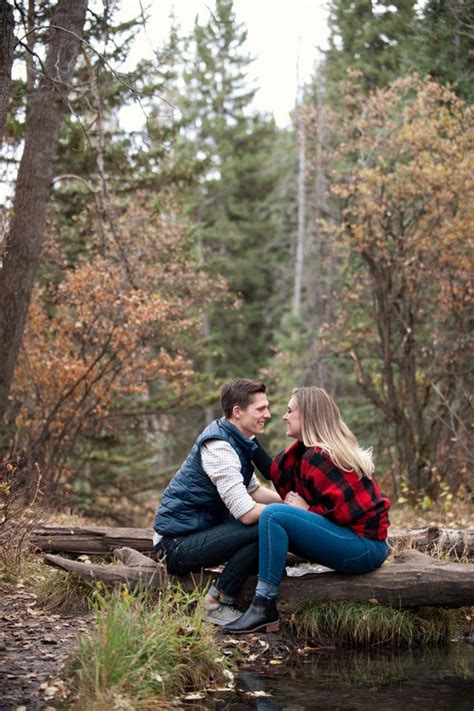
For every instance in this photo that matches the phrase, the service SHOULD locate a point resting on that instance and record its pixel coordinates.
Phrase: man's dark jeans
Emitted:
(232, 542)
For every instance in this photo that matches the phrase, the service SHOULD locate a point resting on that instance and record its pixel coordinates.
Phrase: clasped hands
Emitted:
(294, 499)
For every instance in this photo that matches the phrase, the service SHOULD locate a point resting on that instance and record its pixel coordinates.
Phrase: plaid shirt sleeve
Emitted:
(342, 497)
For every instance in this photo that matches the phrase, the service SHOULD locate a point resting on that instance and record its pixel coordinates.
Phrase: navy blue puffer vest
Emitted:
(191, 501)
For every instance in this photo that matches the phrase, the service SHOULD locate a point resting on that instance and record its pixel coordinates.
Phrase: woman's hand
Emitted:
(294, 499)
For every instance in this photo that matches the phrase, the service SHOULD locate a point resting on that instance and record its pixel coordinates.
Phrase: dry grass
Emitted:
(455, 513)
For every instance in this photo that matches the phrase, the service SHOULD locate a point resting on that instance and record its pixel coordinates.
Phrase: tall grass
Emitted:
(144, 651)
(362, 625)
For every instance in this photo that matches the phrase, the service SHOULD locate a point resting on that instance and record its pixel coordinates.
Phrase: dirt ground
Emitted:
(34, 646)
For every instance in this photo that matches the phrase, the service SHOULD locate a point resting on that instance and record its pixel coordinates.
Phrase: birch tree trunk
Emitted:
(300, 236)
(24, 242)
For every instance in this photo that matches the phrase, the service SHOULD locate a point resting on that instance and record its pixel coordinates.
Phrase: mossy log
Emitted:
(84, 540)
(412, 579)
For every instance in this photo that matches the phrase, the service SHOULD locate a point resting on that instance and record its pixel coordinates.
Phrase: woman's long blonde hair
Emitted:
(322, 426)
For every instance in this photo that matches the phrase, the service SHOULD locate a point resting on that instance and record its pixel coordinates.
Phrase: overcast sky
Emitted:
(279, 31)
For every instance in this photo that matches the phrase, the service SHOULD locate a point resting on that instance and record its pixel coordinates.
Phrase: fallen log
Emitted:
(102, 540)
(454, 542)
(412, 579)
(85, 540)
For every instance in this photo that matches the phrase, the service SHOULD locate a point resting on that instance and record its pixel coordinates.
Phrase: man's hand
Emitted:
(262, 495)
(294, 499)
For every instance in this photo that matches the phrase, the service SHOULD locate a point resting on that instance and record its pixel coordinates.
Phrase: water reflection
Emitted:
(345, 680)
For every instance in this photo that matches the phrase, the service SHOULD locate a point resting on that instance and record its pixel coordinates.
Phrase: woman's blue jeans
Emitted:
(231, 542)
(284, 528)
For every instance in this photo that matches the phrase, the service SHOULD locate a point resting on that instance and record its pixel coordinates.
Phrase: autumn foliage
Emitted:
(401, 175)
(123, 320)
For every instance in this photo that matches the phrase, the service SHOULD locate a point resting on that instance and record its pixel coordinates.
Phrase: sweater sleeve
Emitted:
(262, 460)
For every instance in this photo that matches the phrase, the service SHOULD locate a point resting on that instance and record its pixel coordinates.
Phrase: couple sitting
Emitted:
(328, 508)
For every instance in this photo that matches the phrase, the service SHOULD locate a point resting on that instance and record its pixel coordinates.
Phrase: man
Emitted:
(209, 511)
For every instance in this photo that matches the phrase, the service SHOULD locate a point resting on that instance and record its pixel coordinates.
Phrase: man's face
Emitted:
(251, 420)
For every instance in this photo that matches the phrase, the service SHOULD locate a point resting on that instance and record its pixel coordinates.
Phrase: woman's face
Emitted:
(293, 420)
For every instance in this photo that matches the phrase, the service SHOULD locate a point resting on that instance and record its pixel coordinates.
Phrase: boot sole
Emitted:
(266, 627)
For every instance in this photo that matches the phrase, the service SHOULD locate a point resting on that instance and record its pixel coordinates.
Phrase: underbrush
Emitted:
(20, 491)
(361, 625)
(145, 650)
(59, 591)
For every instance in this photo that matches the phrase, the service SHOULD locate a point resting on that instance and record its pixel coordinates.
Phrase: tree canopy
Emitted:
(144, 265)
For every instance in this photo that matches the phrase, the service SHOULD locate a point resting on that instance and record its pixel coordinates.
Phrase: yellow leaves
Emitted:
(5, 488)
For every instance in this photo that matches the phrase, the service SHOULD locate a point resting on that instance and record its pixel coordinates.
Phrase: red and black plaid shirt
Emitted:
(342, 497)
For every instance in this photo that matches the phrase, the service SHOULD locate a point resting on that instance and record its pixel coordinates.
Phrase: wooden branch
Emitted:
(80, 539)
(413, 579)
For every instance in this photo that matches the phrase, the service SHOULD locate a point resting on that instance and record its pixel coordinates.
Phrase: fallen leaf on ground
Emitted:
(256, 694)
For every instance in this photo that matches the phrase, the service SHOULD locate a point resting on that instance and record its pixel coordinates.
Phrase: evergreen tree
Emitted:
(234, 147)
(445, 45)
(373, 37)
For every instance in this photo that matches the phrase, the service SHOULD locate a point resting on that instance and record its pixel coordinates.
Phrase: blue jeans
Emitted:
(231, 542)
(313, 537)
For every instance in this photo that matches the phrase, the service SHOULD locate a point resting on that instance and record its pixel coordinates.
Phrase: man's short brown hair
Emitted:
(239, 392)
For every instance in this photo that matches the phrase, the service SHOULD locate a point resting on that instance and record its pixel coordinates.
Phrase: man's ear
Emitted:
(236, 410)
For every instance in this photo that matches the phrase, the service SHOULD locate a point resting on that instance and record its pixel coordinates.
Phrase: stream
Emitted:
(429, 679)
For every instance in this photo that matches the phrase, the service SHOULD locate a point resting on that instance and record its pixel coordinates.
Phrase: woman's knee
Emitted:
(269, 512)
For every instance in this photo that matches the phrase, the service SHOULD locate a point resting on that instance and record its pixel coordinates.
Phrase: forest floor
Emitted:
(36, 644)
(34, 648)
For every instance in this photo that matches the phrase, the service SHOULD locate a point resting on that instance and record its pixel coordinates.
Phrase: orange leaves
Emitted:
(407, 198)
(117, 321)
(400, 170)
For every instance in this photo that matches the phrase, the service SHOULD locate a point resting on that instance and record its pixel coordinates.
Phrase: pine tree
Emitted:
(234, 146)
(372, 37)
(445, 45)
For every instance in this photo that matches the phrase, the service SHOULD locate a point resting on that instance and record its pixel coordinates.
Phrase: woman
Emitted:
(333, 511)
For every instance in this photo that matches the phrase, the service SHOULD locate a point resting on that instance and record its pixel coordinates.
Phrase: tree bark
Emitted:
(413, 579)
(78, 539)
(301, 229)
(83, 540)
(6, 61)
(24, 243)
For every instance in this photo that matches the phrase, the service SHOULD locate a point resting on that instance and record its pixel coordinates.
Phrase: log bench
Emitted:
(411, 579)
